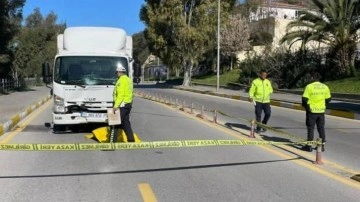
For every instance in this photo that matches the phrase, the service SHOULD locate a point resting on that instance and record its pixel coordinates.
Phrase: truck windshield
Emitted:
(87, 70)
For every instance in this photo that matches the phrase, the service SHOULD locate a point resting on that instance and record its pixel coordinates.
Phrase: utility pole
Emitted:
(158, 67)
(218, 50)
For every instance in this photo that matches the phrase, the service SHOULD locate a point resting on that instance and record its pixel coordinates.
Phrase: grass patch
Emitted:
(211, 79)
(349, 85)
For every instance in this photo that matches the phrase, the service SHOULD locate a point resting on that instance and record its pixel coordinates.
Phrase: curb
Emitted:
(331, 112)
(8, 125)
(347, 97)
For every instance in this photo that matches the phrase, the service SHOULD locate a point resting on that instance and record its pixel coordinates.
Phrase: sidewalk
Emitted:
(336, 107)
(17, 105)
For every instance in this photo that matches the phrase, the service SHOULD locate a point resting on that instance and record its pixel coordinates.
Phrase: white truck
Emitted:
(83, 75)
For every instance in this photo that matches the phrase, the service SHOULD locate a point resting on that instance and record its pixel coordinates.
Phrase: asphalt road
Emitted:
(343, 135)
(17, 101)
(232, 173)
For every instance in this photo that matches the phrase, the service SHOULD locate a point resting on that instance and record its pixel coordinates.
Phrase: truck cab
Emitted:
(83, 75)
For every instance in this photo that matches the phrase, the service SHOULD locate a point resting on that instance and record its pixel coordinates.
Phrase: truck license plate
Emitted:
(93, 115)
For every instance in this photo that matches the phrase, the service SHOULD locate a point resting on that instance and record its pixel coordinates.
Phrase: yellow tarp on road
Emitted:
(103, 135)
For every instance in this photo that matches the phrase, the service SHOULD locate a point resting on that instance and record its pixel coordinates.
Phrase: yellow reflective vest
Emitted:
(123, 91)
(317, 94)
(261, 90)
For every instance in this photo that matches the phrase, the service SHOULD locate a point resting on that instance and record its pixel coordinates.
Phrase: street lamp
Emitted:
(218, 50)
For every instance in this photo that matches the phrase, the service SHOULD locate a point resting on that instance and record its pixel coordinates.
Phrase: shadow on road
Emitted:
(146, 170)
(162, 115)
(159, 85)
(237, 125)
(274, 139)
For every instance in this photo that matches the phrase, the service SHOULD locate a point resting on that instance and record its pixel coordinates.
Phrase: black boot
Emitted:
(131, 139)
(307, 148)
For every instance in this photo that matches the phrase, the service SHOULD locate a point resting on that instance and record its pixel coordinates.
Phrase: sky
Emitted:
(109, 13)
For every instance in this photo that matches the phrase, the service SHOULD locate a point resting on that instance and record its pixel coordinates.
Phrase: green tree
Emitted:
(334, 23)
(286, 69)
(141, 50)
(182, 30)
(234, 36)
(37, 43)
(10, 22)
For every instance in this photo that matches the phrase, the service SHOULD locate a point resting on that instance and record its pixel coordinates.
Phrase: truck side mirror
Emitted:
(137, 70)
(46, 74)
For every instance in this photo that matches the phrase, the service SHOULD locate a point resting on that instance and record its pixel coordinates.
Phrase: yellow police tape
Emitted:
(142, 145)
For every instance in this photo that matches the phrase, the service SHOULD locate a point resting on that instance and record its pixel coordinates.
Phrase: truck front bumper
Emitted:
(79, 118)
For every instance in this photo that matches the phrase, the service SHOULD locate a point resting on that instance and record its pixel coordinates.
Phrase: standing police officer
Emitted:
(315, 98)
(259, 94)
(123, 97)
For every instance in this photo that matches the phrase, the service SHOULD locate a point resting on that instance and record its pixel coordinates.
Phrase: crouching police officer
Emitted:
(315, 99)
(123, 97)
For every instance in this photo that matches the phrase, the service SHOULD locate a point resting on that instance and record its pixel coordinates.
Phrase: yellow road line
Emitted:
(26, 122)
(343, 130)
(146, 192)
(317, 169)
(244, 132)
(311, 156)
(308, 165)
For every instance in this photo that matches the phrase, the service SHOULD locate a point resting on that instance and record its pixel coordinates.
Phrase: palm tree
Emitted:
(334, 23)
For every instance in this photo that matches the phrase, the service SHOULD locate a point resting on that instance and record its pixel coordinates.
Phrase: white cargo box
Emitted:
(93, 39)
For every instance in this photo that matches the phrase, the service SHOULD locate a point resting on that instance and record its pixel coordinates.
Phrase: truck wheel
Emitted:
(58, 128)
(75, 128)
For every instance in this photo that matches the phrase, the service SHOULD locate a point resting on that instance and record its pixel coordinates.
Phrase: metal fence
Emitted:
(8, 84)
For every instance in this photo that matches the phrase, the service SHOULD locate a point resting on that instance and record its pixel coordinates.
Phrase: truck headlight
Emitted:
(59, 106)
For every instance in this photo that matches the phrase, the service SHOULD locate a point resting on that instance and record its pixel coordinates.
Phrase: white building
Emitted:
(276, 16)
(277, 10)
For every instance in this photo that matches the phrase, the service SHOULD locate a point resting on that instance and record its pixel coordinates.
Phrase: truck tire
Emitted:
(58, 128)
(75, 128)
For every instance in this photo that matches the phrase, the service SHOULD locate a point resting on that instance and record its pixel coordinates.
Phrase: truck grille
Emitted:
(88, 106)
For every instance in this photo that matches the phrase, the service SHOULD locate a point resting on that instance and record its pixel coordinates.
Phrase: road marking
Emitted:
(333, 164)
(26, 121)
(146, 192)
(308, 165)
(308, 155)
(343, 130)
